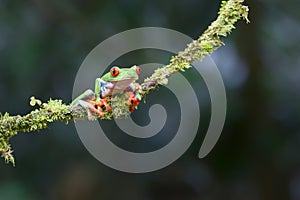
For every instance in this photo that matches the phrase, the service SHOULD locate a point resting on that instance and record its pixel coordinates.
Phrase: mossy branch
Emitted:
(230, 12)
(54, 110)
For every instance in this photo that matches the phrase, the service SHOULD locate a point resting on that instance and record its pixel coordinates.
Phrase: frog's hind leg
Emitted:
(85, 101)
(87, 95)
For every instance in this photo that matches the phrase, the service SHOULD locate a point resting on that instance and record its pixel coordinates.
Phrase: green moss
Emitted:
(230, 12)
(37, 119)
(120, 108)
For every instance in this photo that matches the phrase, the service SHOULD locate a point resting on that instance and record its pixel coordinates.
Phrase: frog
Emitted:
(118, 80)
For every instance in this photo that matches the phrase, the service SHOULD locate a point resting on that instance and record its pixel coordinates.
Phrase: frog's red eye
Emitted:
(138, 70)
(115, 71)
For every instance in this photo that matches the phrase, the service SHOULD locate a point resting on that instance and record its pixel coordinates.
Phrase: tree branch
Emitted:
(54, 110)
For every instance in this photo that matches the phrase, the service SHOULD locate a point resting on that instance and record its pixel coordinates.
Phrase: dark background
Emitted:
(42, 44)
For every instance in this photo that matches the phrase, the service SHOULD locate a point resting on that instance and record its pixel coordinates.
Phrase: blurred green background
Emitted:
(42, 44)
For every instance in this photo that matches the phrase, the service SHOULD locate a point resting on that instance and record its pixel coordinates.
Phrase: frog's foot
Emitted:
(103, 103)
(99, 112)
(133, 101)
(98, 106)
(91, 109)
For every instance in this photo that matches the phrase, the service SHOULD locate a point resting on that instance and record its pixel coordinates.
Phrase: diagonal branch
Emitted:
(54, 110)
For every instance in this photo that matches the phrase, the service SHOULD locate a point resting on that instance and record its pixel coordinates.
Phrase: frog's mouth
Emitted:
(123, 84)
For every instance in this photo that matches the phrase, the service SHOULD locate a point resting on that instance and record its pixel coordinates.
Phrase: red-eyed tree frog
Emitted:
(117, 80)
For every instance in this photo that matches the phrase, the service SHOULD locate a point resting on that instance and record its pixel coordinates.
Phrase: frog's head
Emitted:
(117, 74)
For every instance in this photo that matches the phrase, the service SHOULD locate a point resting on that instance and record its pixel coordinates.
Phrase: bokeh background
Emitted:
(42, 44)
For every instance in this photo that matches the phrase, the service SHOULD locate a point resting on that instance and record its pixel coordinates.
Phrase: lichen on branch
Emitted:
(230, 12)
(54, 110)
(37, 119)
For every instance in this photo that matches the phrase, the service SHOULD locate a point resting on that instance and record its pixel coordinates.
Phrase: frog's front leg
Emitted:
(102, 90)
(134, 97)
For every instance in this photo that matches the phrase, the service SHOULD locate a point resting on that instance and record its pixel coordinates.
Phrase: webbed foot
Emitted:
(101, 103)
(98, 106)
(91, 109)
(133, 101)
